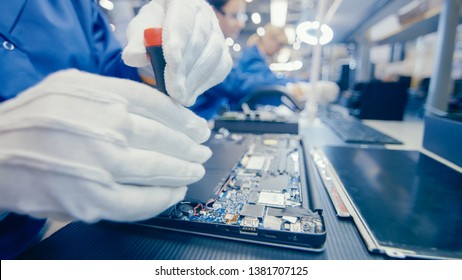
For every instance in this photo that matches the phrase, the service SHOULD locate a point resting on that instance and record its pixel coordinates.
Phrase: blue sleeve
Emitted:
(49, 36)
(107, 49)
(250, 73)
(254, 67)
(239, 84)
(226, 94)
(17, 232)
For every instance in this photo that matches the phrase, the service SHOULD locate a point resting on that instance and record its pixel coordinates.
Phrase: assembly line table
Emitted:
(114, 241)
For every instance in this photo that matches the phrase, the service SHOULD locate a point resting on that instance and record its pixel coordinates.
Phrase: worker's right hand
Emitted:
(88, 147)
(194, 47)
(320, 92)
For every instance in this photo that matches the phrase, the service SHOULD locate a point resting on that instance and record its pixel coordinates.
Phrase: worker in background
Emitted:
(255, 60)
(240, 82)
(260, 52)
(80, 138)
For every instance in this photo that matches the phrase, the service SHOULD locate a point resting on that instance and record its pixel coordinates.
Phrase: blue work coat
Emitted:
(41, 37)
(38, 38)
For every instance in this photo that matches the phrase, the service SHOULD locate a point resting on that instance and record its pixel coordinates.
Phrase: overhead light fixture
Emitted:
(311, 33)
(278, 12)
(107, 4)
(237, 47)
(256, 18)
(326, 34)
(229, 41)
(260, 31)
(286, 67)
(296, 45)
(290, 33)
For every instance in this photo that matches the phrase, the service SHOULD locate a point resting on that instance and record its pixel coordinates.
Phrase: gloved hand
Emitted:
(194, 47)
(87, 147)
(296, 90)
(322, 92)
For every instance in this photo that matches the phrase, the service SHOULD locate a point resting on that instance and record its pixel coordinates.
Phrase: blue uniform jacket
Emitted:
(250, 73)
(41, 37)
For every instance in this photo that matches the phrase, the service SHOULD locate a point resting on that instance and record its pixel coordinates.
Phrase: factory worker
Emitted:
(244, 77)
(256, 57)
(255, 62)
(80, 137)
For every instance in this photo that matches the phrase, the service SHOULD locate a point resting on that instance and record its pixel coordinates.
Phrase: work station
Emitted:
(348, 147)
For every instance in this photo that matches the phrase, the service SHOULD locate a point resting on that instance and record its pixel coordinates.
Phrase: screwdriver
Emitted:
(153, 44)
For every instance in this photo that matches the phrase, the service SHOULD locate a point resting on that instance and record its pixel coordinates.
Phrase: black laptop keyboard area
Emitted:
(351, 130)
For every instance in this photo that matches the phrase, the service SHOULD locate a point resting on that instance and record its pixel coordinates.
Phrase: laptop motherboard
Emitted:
(265, 197)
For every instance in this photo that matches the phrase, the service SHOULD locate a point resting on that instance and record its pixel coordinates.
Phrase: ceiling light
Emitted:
(256, 18)
(296, 45)
(290, 33)
(107, 4)
(326, 34)
(237, 47)
(229, 41)
(310, 33)
(289, 66)
(260, 31)
(278, 12)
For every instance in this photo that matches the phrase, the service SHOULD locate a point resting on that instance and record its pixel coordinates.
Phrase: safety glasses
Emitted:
(236, 16)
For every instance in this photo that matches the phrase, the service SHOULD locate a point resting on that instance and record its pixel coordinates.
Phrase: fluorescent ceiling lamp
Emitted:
(107, 4)
(290, 33)
(278, 12)
(311, 33)
(409, 7)
(384, 28)
(229, 41)
(260, 31)
(256, 18)
(289, 66)
(296, 45)
(326, 34)
(237, 47)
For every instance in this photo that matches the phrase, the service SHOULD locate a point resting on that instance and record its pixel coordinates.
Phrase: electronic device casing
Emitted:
(309, 241)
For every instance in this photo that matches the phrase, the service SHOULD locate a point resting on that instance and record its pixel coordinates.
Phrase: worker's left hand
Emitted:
(195, 51)
(88, 147)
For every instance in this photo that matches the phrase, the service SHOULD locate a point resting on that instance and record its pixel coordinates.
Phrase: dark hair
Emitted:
(217, 4)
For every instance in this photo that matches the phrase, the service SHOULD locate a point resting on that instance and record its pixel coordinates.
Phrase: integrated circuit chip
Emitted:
(252, 210)
(271, 199)
(255, 163)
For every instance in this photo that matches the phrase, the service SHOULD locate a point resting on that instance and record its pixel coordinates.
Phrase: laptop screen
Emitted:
(407, 199)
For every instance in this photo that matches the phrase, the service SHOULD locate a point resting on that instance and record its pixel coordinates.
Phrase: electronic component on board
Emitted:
(272, 199)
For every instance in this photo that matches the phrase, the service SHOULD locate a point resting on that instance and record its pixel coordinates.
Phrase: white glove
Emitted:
(88, 147)
(321, 92)
(194, 47)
